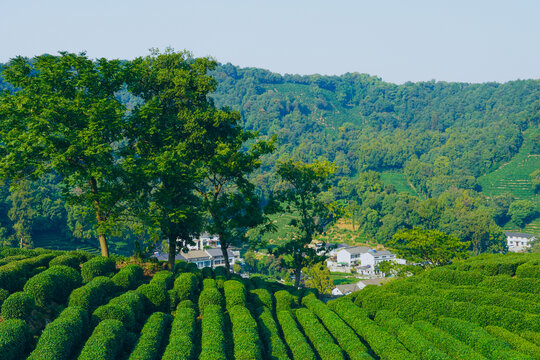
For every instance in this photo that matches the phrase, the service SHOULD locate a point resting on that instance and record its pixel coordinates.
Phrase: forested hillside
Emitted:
(429, 154)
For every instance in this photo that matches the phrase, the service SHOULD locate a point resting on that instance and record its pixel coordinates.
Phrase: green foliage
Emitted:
(62, 337)
(163, 279)
(506, 283)
(156, 298)
(455, 277)
(528, 270)
(292, 335)
(319, 337)
(318, 277)
(247, 345)
(133, 302)
(186, 286)
(71, 260)
(235, 293)
(285, 301)
(345, 337)
(18, 305)
(153, 336)
(446, 342)
(521, 211)
(212, 337)
(129, 277)
(431, 246)
(14, 339)
(93, 294)
(14, 274)
(261, 297)
(105, 343)
(517, 342)
(55, 283)
(183, 335)
(97, 266)
(209, 296)
(3, 296)
(275, 348)
(116, 312)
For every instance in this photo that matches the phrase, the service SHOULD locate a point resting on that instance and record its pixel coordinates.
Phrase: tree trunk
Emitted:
(172, 252)
(297, 275)
(225, 253)
(103, 245)
(99, 218)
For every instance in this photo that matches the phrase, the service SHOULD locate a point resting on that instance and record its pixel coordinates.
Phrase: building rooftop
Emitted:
(196, 254)
(522, 235)
(347, 288)
(382, 253)
(216, 252)
(357, 250)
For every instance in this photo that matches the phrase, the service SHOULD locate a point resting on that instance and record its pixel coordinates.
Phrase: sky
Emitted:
(397, 40)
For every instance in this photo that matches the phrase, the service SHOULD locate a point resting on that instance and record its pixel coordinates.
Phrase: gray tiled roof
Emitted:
(216, 252)
(357, 250)
(523, 235)
(345, 288)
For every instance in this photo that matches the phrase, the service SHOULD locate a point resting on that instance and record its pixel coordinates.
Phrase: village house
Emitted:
(351, 256)
(518, 241)
(202, 258)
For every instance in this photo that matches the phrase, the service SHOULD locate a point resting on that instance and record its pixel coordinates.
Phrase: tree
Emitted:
(228, 197)
(174, 132)
(430, 247)
(301, 187)
(64, 117)
(318, 277)
(521, 211)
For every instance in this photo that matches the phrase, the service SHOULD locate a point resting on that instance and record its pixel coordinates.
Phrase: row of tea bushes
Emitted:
(153, 336)
(319, 337)
(300, 348)
(183, 336)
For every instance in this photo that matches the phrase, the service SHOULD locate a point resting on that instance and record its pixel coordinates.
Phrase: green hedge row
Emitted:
(133, 301)
(114, 312)
(531, 336)
(209, 296)
(343, 334)
(207, 273)
(129, 277)
(97, 266)
(155, 298)
(317, 334)
(14, 339)
(517, 342)
(479, 339)
(247, 345)
(153, 337)
(414, 341)
(294, 338)
(4, 294)
(494, 264)
(187, 287)
(446, 342)
(383, 344)
(285, 301)
(18, 305)
(213, 346)
(235, 293)
(455, 277)
(163, 279)
(14, 275)
(93, 294)
(508, 284)
(62, 337)
(261, 297)
(275, 348)
(530, 269)
(71, 260)
(55, 283)
(105, 343)
(183, 335)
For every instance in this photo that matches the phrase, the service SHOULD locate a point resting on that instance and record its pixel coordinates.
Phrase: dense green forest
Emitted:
(415, 154)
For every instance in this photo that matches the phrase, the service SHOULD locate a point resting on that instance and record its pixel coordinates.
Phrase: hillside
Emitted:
(73, 305)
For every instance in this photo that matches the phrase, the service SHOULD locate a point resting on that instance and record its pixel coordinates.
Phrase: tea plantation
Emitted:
(74, 305)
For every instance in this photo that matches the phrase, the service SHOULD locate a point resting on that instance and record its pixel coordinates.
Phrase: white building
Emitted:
(351, 256)
(373, 257)
(204, 241)
(203, 258)
(518, 241)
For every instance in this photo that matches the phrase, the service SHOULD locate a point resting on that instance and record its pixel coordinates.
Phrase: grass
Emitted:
(343, 278)
(54, 241)
(399, 180)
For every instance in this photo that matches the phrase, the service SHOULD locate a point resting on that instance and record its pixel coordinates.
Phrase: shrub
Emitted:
(343, 334)
(15, 274)
(221, 271)
(298, 344)
(71, 260)
(275, 348)
(105, 343)
(133, 301)
(116, 312)
(455, 277)
(212, 339)
(66, 279)
(245, 334)
(186, 287)
(156, 297)
(187, 304)
(14, 339)
(517, 342)
(3, 296)
(18, 305)
(478, 338)
(508, 284)
(129, 277)
(55, 283)
(530, 269)
(183, 335)
(261, 297)
(97, 266)
(446, 342)
(93, 294)
(235, 293)
(153, 336)
(320, 338)
(285, 301)
(180, 266)
(210, 296)
(385, 345)
(163, 279)
(207, 273)
(531, 336)
(62, 337)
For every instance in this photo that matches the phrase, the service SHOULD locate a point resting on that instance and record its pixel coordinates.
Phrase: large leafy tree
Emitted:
(174, 132)
(64, 117)
(300, 195)
(429, 247)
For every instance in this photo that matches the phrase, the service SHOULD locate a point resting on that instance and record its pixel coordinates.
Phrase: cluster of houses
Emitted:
(361, 258)
(205, 252)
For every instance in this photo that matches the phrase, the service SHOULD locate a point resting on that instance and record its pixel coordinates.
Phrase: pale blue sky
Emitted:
(398, 40)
